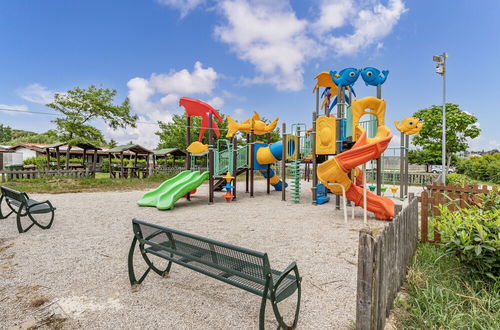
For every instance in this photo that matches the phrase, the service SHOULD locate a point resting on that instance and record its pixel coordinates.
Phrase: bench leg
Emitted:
(262, 314)
(151, 266)
(277, 314)
(40, 225)
(1, 214)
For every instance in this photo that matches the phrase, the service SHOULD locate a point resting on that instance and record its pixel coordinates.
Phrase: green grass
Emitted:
(443, 294)
(101, 182)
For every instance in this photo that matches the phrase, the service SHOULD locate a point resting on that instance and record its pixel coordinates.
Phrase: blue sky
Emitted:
(245, 55)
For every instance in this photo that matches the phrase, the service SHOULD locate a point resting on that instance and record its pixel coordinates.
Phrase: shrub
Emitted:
(473, 234)
(41, 161)
(458, 178)
(484, 168)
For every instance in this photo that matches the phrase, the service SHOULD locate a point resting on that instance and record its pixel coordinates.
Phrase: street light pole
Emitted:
(445, 169)
(441, 69)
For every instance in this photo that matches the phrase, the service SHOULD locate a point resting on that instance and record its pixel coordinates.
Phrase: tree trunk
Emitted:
(67, 157)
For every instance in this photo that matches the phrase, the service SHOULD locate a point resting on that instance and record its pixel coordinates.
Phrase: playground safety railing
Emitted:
(242, 157)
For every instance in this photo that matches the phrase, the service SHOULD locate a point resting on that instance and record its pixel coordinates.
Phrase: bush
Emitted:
(458, 178)
(41, 161)
(484, 168)
(473, 234)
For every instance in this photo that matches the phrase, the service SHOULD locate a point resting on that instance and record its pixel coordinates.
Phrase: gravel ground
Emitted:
(74, 275)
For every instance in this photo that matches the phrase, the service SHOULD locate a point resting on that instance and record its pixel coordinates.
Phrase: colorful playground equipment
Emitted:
(335, 150)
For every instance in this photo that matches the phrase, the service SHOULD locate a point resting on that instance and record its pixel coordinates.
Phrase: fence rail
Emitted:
(418, 179)
(383, 260)
(33, 174)
(453, 195)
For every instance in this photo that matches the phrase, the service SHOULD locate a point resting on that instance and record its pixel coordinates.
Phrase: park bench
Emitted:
(20, 204)
(243, 268)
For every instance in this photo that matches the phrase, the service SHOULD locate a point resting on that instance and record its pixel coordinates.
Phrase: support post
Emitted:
(48, 159)
(235, 164)
(110, 166)
(188, 156)
(313, 150)
(68, 149)
(83, 157)
(210, 161)
(252, 165)
(340, 111)
(402, 167)
(407, 147)
(58, 156)
(248, 165)
(283, 162)
(94, 162)
(268, 180)
(379, 160)
(188, 142)
(122, 171)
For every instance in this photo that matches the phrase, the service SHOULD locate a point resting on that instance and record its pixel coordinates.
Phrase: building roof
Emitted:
(135, 148)
(170, 151)
(55, 145)
(33, 146)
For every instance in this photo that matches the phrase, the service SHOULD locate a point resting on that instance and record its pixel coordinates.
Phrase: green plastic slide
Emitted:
(165, 196)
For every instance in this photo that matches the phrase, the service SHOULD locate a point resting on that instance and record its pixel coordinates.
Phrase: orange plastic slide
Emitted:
(337, 170)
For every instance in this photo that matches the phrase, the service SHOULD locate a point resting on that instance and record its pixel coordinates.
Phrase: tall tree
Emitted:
(79, 106)
(461, 126)
(5, 133)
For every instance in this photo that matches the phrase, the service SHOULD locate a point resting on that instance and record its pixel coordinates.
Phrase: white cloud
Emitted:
(13, 109)
(184, 6)
(36, 93)
(271, 37)
(157, 98)
(216, 102)
(200, 81)
(333, 14)
(371, 24)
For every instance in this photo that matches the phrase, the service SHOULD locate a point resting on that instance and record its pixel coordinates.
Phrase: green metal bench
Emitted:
(243, 268)
(20, 204)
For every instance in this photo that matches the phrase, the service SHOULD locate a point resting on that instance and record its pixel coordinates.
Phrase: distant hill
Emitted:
(19, 135)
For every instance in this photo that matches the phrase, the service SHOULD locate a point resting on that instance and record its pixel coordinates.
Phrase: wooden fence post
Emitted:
(365, 274)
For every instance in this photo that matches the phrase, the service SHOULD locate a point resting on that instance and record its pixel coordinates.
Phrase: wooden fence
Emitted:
(33, 174)
(383, 259)
(455, 196)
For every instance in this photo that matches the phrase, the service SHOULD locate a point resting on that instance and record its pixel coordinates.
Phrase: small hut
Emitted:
(130, 150)
(166, 152)
(83, 146)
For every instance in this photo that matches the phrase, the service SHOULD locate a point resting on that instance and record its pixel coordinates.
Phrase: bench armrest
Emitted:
(288, 270)
(41, 203)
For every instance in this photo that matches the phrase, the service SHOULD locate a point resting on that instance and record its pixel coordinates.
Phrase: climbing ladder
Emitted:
(295, 181)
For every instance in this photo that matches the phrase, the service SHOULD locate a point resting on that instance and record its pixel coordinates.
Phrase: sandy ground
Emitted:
(74, 275)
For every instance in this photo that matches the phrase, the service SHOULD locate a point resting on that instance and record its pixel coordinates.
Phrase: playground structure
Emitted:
(335, 150)
(226, 158)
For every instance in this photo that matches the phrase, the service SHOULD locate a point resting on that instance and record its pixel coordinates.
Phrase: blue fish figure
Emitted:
(373, 77)
(346, 77)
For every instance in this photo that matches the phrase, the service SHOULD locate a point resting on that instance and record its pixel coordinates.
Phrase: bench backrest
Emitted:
(13, 194)
(226, 262)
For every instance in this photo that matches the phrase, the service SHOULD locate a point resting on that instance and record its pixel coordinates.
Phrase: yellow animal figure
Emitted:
(416, 130)
(325, 80)
(254, 124)
(406, 124)
(197, 148)
(409, 126)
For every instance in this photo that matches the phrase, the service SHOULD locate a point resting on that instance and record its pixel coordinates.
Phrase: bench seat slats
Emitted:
(164, 249)
(42, 208)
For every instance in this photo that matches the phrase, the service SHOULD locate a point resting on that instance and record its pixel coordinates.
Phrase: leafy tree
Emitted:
(5, 133)
(79, 106)
(112, 143)
(460, 127)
